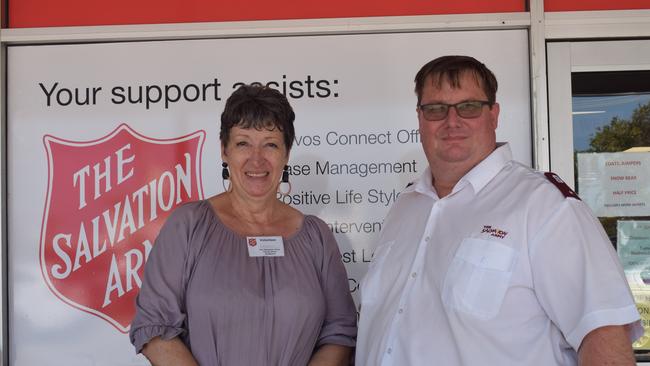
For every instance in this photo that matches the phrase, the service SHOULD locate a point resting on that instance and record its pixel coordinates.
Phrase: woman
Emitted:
(242, 278)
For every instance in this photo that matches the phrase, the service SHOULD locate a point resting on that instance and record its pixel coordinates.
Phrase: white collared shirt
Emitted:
(505, 270)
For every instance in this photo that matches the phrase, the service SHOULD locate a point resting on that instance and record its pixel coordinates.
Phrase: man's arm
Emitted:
(608, 345)
(172, 352)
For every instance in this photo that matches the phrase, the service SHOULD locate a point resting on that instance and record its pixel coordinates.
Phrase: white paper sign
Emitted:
(633, 246)
(615, 184)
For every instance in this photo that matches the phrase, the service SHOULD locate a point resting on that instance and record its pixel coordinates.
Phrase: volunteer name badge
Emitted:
(265, 246)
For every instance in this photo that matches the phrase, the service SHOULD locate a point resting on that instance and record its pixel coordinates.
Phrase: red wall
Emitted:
(575, 5)
(49, 13)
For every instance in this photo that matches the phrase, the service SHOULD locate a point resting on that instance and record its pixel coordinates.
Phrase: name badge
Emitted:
(265, 246)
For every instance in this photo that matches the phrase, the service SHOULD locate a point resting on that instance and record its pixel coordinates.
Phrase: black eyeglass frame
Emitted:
(448, 106)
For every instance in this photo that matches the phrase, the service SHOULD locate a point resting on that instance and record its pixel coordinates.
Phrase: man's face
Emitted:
(462, 142)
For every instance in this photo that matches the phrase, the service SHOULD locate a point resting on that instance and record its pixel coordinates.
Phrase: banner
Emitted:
(104, 140)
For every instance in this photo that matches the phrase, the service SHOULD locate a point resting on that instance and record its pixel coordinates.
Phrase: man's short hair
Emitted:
(451, 68)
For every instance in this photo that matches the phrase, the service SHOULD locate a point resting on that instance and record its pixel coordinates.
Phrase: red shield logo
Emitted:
(106, 202)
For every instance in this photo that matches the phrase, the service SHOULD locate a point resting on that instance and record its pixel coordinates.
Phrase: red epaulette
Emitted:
(559, 183)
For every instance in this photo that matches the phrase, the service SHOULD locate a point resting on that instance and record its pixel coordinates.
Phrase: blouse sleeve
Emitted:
(160, 309)
(340, 324)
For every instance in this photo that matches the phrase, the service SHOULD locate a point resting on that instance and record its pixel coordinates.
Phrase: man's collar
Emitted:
(424, 184)
(478, 177)
(487, 169)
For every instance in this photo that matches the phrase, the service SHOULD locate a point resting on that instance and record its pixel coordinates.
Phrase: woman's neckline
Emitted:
(215, 215)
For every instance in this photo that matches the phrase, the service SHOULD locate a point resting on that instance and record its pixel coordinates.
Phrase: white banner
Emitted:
(615, 184)
(90, 127)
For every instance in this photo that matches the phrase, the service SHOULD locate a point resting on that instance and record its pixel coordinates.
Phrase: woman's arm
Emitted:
(172, 352)
(331, 355)
(160, 315)
(339, 329)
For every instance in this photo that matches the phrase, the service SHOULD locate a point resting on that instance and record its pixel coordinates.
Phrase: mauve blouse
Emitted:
(234, 310)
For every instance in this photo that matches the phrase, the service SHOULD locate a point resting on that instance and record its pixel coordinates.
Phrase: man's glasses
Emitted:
(439, 111)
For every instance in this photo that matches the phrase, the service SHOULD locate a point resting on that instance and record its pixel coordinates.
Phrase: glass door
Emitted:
(599, 121)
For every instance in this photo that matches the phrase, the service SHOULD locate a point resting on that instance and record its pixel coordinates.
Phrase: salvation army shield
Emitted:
(106, 202)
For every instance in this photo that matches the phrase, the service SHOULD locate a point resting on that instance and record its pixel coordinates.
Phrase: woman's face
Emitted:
(255, 159)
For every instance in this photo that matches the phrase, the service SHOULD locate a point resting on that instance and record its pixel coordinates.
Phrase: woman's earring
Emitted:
(225, 177)
(285, 179)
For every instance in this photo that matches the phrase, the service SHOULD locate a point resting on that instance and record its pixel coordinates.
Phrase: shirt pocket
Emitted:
(478, 277)
(371, 286)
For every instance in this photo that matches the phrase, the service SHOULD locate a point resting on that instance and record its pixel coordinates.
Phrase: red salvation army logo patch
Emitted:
(106, 201)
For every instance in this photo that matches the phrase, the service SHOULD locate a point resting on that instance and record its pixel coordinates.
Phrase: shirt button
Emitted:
(414, 274)
(400, 311)
(389, 351)
(427, 238)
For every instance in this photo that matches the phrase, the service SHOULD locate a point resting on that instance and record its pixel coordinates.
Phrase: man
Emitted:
(483, 261)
